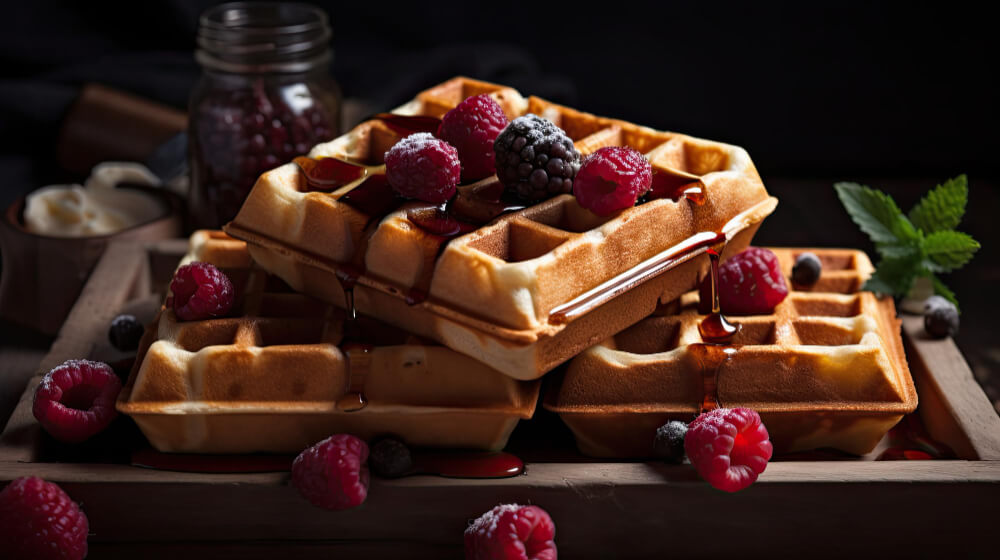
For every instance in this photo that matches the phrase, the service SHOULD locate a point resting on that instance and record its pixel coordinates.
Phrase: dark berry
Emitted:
(332, 474)
(125, 333)
(806, 270)
(423, 167)
(750, 283)
(612, 179)
(76, 400)
(535, 159)
(940, 317)
(390, 458)
(38, 520)
(201, 291)
(729, 447)
(668, 444)
(472, 127)
(511, 532)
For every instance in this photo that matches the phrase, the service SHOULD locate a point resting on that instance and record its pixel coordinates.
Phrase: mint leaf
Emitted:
(943, 291)
(893, 276)
(876, 213)
(948, 250)
(942, 208)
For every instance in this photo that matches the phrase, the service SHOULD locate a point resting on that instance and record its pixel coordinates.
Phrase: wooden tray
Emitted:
(811, 508)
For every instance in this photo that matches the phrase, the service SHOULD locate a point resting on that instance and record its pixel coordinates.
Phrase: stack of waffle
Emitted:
(523, 291)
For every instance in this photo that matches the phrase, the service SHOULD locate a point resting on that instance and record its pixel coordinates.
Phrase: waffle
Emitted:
(826, 369)
(277, 375)
(527, 289)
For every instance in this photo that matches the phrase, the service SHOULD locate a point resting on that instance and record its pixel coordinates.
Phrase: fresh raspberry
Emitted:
(332, 474)
(471, 127)
(511, 532)
(76, 400)
(38, 520)
(535, 159)
(612, 179)
(201, 291)
(750, 283)
(729, 447)
(423, 167)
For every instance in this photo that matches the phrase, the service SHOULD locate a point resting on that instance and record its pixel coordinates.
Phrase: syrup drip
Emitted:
(714, 327)
(348, 278)
(466, 464)
(676, 187)
(358, 364)
(711, 358)
(408, 124)
(328, 174)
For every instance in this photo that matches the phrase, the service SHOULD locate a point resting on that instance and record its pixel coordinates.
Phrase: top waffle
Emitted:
(825, 369)
(514, 278)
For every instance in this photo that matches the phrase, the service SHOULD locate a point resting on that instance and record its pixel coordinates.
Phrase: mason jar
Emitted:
(265, 96)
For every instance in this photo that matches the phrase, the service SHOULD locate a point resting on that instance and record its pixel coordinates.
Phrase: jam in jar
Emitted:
(265, 96)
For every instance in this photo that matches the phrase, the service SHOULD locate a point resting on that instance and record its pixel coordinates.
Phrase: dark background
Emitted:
(899, 97)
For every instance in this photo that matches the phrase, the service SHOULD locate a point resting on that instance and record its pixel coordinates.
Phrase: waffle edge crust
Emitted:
(825, 370)
(493, 293)
(273, 376)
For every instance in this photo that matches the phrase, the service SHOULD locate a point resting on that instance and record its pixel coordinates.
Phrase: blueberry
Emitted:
(390, 458)
(807, 269)
(940, 318)
(125, 333)
(668, 444)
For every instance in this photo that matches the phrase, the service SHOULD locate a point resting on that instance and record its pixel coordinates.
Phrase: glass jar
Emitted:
(265, 96)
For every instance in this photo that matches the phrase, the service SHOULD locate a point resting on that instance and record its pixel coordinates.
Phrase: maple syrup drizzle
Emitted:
(716, 332)
(714, 327)
(711, 359)
(676, 187)
(408, 124)
(358, 366)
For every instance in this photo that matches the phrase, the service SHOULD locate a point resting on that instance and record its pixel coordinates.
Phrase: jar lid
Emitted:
(263, 37)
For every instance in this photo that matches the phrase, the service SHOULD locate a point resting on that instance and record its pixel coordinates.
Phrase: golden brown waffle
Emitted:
(277, 375)
(530, 288)
(826, 369)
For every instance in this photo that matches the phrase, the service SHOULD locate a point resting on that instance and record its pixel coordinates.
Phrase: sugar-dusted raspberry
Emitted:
(612, 179)
(750, 283)
(76, 400)
(333, 474)
(471, 127)
(535, 159)
(511, 532)
(423, 167)
(201, 291)
(729, 447)
(39, 521)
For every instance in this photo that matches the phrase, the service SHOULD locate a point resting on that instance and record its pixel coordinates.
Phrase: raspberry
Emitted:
(125, 333)
(332, 474)
(750, 283)
(612, 179)
(201, 291)
(38, 520)
(76, 400)
(511, 532)
(423, 167)
(472, 127)
(729, 447)
(535, 158)
(668, 444)
(807, 269)
(390, 458)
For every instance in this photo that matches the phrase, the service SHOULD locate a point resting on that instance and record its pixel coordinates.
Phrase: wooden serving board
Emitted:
(825, 506)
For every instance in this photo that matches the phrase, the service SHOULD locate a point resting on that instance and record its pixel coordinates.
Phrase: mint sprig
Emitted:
(922, 243)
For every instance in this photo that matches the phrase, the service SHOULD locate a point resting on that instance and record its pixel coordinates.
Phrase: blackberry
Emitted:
(125, 333)
(668, 444)
(390, 458)
(535, 158)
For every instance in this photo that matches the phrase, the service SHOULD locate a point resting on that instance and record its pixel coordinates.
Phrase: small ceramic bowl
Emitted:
(43, 275)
